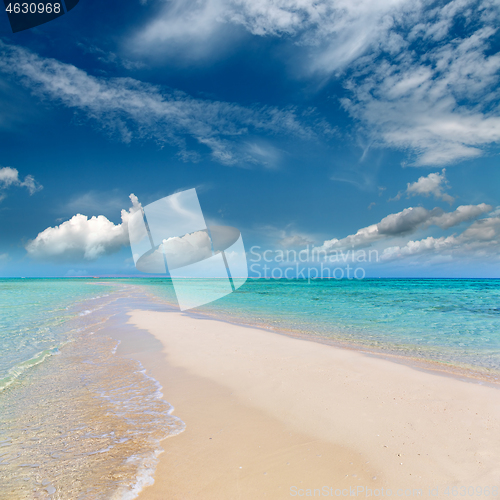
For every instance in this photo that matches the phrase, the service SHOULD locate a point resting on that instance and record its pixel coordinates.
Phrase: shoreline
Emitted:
(465, 373)
(71, 424)
(267, 400)
(235, 431)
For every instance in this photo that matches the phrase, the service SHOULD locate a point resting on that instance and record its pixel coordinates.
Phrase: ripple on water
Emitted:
(85, 424)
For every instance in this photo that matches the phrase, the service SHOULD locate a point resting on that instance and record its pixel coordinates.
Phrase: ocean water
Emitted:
(76, 420)
(451, 321)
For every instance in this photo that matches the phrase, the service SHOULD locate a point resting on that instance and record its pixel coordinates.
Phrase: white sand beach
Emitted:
(271, 416)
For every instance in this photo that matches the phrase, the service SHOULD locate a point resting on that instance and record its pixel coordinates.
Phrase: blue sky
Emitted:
(336, 124)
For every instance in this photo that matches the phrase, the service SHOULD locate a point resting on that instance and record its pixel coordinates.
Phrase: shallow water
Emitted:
(453, 322)
(76, 420)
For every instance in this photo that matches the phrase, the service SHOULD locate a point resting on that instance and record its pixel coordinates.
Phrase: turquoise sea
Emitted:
(79, 421)
(76, 420)
(451, 321)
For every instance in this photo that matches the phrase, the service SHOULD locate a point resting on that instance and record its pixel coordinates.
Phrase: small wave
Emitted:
(98, 296)
(114, 415)
(113, 351)
(16, 371)
(144, 477)
(142, 398)
(103, 450)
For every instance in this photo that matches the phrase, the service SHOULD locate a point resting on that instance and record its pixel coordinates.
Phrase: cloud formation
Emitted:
(10, 177)
(188, 249)
(481, 239)
(132, 109)
(81, 238)
(432, 184)
(405, 223)
(434, 93)
(421, 76)
(333, 33)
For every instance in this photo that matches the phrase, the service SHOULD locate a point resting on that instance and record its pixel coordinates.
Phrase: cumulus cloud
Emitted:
(417, 247)
(404, 223)
(463, 213)
(188, 249)
(432, 184)
(480, 239)
(132, 109)
(10, 177)
(81, 238)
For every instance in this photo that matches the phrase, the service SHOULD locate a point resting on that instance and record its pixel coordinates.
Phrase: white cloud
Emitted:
(108, 57)
(81, 238)
(416, 82)
(333, 32)
(10, 177)
(417, 247)
(133, 109)
(487, 229)
(480, 240)
(190, 25)
(438, 103)
(431, 184)
(389, 237)
(187, 249)
(404, 223)
(463, 213)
